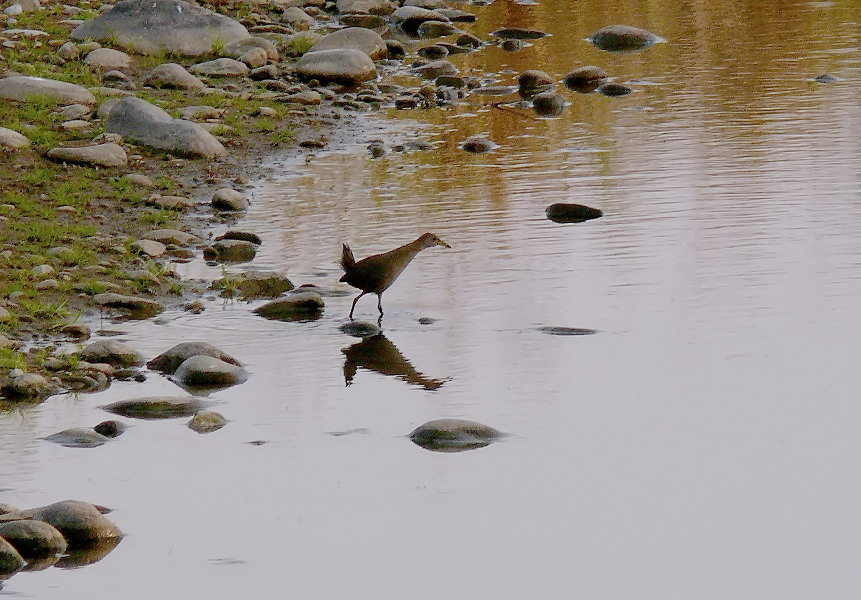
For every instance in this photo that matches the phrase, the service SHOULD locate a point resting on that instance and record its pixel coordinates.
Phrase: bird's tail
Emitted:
(347, 260)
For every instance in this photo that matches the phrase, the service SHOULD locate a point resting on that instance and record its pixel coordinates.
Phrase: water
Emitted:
(702, 443)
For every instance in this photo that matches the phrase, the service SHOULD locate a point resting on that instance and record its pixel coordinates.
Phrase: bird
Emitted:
(375, 274)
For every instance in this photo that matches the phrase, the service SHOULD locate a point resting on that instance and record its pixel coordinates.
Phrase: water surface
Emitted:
(704, 442)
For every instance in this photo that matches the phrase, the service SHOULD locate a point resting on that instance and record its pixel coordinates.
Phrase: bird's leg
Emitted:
(380, 303)
(352, 308)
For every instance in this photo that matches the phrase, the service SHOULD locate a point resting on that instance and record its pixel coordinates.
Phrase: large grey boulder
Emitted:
(154, 26)
(368, 41)
(80, 523)
(139, 121)
(20, 87)
(346, 66)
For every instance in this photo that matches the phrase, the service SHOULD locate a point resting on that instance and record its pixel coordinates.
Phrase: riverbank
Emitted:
(72, 233)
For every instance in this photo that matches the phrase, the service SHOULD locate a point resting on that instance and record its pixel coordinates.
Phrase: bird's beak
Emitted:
(442, 243)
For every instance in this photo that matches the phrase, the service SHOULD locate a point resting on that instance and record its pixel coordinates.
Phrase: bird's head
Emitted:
(429, 240)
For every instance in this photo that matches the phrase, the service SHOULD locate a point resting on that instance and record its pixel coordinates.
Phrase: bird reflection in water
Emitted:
(377, 353)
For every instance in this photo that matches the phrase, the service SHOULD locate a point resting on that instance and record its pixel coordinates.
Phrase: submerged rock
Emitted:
(478, 144)
(169, 361)
(304, 305)
(81, 523)
(556, 330)
(623, 38)
(156, 407)
(208, 371)
(360, 329)
(516, 33)
(33, 539)
(140, 308)
(532, 81)
(453, 435)
(78, 437)
(571, 213)
(28, 386)
(113, 353)
(11, 560)
(585, 79)
(234, 251)
(548, 104)
(110, 429)
(207, 421)
(614, 89)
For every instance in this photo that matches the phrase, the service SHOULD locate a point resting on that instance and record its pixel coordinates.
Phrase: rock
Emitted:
(74, 111)
(221, 67)
(295, 306)
(7, 344)
(230, 251)
(156, 407)
(548, 104)
(623, 38)
(145, 123)
(80, 523)
(370, 7)
(5, 315)
(173, 75)
(40, 270)
(102, 155)
(612, 88)
(297, 18)
(107, 58)
(150, 248)
(254, 285)
(137, 306)
(409, 18)
(555, 330)
(361, 329)
(585, 79)
(478, 144)
(435, 69)
(10, 559)
(363, 20)
(113, 353)
(208, 371)
(172, 236)
(229, 199)
(467, 40)
(20, 87)
(516, 33)
(75, 331)
(435, 52)
(207, 421)
(162, 26)
(367, 41)
(33, 539)
(453, 435)
(69, 51)
(12, 140)
(171, 202)
(78, 437)
(513, 45)
(436, 29)
(346, 66)
(532, 81)
(254, 58)
(826, 78)
(265, 72)
(201, 112)
(169, 361)
(28, 386)
(240, 47)
(571, 213)
(245, 236)
(110, 429)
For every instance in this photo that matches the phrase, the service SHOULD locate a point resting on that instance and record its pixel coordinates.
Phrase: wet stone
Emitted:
(78, 437)
(436, 69)
(548, 104)
(516, 33)
(571, 213)
(80, 523)
(478, 144)
(533, 81)
(240, 235)
(207, 421)
(613, 89)
(33, 539)
(557, 330)
(295, 306)
(361, 329)
(113, 353)
(11, 560)
(453, 435)
(156, 407)
(513, 45)
(28, 386)
(76, 331)
(169, 361)
(208, 371)
(623, 38)
(111, 428)
(235, 251)
(141, 308)
(585, 79)
(436, 29)
(229, 199)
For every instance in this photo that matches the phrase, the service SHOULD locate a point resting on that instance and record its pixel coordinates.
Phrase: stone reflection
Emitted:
(377, 353)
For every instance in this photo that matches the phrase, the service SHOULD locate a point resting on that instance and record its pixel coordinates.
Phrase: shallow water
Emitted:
(703, 442)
